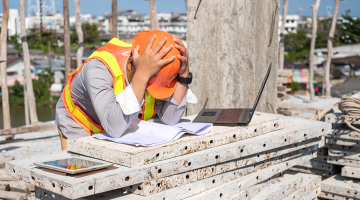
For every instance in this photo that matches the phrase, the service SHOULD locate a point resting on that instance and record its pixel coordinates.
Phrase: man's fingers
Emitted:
(181, 58)
(165, 51)
(135, 52)
(159, 45)
(167, 61)
(181, 49)
(177, 40)
(150, 43)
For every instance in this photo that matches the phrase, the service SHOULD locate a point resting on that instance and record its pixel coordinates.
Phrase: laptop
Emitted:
(232, 117)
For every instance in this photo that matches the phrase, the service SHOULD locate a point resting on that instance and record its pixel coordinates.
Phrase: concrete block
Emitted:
(344, 133)
(327, 195)
(344, 154)
(343, 161)
(125, 176)
(313, 194)
(131, 156)
(320, 158)
(341, 186)
(156, 186)
(197, 187)
(351, 172)
(342, 142)
(321, 165)
(312, 171)
(309, 183)
(338, 118)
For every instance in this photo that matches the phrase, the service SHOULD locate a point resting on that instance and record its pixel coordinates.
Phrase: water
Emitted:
(17, 115)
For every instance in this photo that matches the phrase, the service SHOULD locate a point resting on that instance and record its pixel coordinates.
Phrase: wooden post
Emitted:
(154, 23)
(3, 54)
(66, 38)
(282, 35)
(29, 86)
(115, 33)
(79, 53)
(229, 58)
(329, 47)
(315, 8)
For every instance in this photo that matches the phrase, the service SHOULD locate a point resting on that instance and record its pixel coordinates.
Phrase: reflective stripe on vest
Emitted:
(110, 55)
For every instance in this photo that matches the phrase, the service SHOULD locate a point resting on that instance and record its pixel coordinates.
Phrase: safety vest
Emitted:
(113, 55)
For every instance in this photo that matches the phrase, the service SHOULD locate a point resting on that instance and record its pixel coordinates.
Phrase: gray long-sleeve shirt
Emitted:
(92, 90)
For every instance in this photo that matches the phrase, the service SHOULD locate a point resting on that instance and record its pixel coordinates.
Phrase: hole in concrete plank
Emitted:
(164, 197)
(14, 170)
(287, 164)
(53, 184)
(234, 173)
(243, 150)
(90, 187)
(216, 157)
(257, 177)
(220, 194)
(258, 155)
(157, 155)
(211, 141)
(213, 181)
(246, 195)
(322, 130)
(213, 169)
(185, 147)
(189, 163)
(264, 145)
(158, 184)
(61, 187)
(33, 178)
(352, 173)
(127, 178)
(305, 135)
(139, 188)
(285, 140)
(255, 130)
(187, 176)
(159, 171)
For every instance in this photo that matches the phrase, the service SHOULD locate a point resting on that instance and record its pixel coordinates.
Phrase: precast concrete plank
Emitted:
(312, 195)
(125, 176)
(320, 165)
(341, 186)
(327, 195)
(343, 142)
(343, 161)
(338, 118)
(351, 172)
(282, 154)
(320, 158)
(309, 183)
(286, 184)
(345, 148)
(312, 171)
(132, 156)
(188, 190)
(338, 131)
(344, 154)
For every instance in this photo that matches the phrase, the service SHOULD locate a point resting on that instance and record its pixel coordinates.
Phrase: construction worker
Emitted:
(120, 82)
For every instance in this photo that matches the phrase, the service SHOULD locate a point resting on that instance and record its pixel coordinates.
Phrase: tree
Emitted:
(282, 32)
(297, 45)
(330, 46)
(90, 32)
(29, 86)
(3, 54)
(66, 37)
(79, 53)
(115, 33)
(315, 8)
(350, 29)
(154, 23)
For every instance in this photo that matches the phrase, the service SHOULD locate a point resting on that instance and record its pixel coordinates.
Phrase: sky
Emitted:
(100, 7)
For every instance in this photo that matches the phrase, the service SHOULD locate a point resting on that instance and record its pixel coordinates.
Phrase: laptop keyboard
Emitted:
(229, 116)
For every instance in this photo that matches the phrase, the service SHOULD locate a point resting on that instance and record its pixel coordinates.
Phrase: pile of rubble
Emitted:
(227, 163)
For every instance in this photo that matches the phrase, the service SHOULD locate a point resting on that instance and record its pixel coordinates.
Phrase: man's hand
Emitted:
(150, 62)
(184, 68)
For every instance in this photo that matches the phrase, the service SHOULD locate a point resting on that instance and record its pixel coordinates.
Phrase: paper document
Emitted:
(144, 133)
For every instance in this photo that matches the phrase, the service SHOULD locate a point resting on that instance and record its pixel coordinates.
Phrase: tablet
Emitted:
(73, 165)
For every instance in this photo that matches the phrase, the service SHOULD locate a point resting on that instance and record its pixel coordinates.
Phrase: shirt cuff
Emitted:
(128, 101)
(191, 97)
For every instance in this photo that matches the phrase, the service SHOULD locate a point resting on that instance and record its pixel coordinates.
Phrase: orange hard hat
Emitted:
(162, 84)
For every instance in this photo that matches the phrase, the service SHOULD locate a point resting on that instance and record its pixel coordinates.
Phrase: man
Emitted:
(120, 82)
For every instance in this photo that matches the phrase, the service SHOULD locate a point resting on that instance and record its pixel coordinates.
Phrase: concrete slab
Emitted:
(312, 195)
(125, 176)
(309, 183)
(312, 171)
(344, 133)
(341, 186)
(327, 195)
(338, 118)
(320, 158)
(252, 165)
(342, 142)
(321, 165)
(343, 161)
(351, 172)
(132, 156)
(344, 154)
(191, 189)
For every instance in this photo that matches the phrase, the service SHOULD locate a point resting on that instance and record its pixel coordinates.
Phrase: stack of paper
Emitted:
(143, 133)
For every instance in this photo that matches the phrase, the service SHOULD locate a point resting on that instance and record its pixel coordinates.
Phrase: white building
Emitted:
(13, 23)
(51, 22)
(291, 25)
(85, 18)
(338, 52)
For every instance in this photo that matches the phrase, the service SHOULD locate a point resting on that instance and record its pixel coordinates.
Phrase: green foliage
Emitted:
(350, 30)
(295, 87)
(298, 46)
(37, 40)
(41, 90)
(91, 34)
(14, 39)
